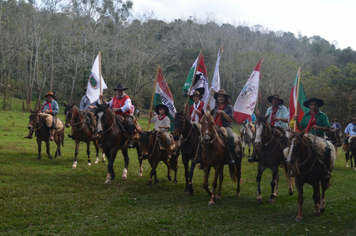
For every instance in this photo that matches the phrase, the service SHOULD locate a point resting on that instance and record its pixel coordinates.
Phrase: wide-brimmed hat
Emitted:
(221, 92)
(269, 99)
(159, 107)
(50, 93)
(335, 119)
(318, 101)
(354, 118)
(120, 87)
(196, 93)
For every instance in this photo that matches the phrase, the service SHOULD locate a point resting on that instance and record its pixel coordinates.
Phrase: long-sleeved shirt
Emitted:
(85, 103)
(54, 107)
(282, 112)
(350, 129)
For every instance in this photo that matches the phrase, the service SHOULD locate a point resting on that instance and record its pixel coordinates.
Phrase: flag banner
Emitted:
(163, 95)
(93, 89)
(296, 102)
(246, 101)
(199, 80)
(215, 84)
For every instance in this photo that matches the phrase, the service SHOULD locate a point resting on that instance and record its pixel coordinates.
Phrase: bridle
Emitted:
(180, 130)
(72, 120)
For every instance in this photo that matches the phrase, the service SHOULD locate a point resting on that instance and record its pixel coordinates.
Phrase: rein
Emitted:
(154, 145)
(268, 143)
(112, 125)
(304, 162)
(183, 129)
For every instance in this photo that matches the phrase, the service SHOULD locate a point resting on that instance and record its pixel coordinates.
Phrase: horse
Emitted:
(188, 133)
(150, 149)
(351, 152)
(38, 124)
(247, 135)
(269, 149)
(113, 139)
(303, 153)
(334, 136)
(214, 153)
(81, 131)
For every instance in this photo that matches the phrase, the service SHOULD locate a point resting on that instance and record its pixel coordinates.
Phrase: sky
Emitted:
(332, 20)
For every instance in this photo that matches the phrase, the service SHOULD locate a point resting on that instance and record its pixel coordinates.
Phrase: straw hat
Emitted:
(50, 93)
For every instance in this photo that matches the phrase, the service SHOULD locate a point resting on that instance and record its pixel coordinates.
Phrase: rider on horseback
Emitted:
(349, 131)
(196, 109)
(277, 116)
(88, 109)
(316, 122)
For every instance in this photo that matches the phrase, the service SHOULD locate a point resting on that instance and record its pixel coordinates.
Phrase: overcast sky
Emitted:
(333, 20)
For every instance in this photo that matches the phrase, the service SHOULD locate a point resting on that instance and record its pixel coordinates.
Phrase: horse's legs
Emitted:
(221, 179)
(238, 168)
(249, 149)
(347, 158)
(190, 176)
(206, 180)
(324, 187)
(75, 154)
(57, 140)
(48, 149)
(111, 174)
(243, 148)
(127, 160)
(274, 185)
(88, 153)
(186, 173)
(39, 143)
(260, 170)
(95, 142)
(168, 169)
(316, 198)
(300, 200)
(154, 164)
(138, 149)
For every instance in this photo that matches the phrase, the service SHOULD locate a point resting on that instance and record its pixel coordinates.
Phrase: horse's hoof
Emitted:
(169, 178)
(107, 181)
(237, 195)
(140, 175)
(211, 203)
(217, 198)
(96, 161)
(290, 192)
(124, 177)
(175, 181)
(298, 219)
(322, 211)
(347, 165)
(259, 201)
(271, 201)
(316, 213)
(156, 182)
(89, 164)
(51, 157)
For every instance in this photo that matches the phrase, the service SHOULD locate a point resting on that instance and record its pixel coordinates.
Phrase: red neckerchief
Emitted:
(312, 121)
(274, 111)
(49, 105)
(162, 117)
(217, 119)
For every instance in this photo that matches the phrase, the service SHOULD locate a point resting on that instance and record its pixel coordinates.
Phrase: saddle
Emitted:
(223, 134)
(350, 139)
(322, 148)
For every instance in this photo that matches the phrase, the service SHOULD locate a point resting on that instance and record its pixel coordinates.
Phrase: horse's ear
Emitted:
(107, 105)
(38, 110)
(64, 104)
(202, 112)
(72, 105)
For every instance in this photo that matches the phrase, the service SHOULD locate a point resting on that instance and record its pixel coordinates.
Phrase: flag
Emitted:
(163, 95)
(93, 89)
(296, 102)
(199, 80)
(215, 84)
(246, 101)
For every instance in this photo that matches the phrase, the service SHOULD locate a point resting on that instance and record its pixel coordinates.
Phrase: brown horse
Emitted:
(214, 153)
(269, 149)
(150, 149)
(113, 139)
(189, 142)
(81, 131)
(334, 136)
(38, 124)
(303, 153)
(351, 153)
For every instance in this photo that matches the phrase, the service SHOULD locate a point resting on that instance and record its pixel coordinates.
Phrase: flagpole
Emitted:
(100, 73)
(191, 84)
(220, 52)
(258, 90)
(296, 101)
(153, 95)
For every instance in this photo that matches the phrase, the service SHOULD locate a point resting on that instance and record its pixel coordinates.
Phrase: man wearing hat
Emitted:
(316, 122)
(89, 108)
(335, 125)
(277, 116)
(349, 131)
(162, 125)
(50, 110)
(120, 105)
(223, 112)
(196, 109)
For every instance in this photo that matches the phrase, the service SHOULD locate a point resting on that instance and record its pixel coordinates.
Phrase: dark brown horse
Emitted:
(81, 131)
(214, 153)
(113, 139)
(38, 124)
(334, 136)
(269, 149)
(351, 153)
(150, 149)
(188, 135)
(303, 154)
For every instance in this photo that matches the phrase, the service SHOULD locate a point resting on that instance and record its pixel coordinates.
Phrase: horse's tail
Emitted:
(233, 172)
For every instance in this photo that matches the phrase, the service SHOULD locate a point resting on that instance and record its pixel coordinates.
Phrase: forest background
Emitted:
(50, 45)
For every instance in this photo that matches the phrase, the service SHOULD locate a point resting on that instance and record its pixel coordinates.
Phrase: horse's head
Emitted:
(68, 112)
(207, 127)
(146, 141)
(335, 137)
(179, 125)
(102, 116)
(262, 129)
(296, 144)
(34, 119)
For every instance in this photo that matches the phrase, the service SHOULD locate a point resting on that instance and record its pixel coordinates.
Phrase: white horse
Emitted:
(247, 134)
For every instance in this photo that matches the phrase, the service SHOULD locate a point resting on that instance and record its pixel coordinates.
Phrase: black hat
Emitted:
(269, 99)
(196, 93)
(318, 101)
(354, 118)
(159, 107)
(120, 87)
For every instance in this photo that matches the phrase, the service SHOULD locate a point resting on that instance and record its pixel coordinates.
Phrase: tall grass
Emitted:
(47, 197)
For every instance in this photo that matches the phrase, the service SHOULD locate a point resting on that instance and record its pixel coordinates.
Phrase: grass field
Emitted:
(47, 197)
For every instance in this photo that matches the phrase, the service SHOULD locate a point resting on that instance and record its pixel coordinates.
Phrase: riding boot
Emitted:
(253, 157)
(130, 143)
(52, 131)
(197, 157)
(169, 149)
(232, 156)
(30, 133)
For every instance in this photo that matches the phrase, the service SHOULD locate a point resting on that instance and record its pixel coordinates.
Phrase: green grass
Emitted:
(47, 197)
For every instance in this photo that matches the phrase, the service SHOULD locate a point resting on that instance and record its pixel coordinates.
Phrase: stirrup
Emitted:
(252, 159)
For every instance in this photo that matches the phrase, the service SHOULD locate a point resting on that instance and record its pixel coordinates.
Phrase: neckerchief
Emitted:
(218, 117)
(162, 117)
(49, 105)
(312, 121)
(273, 116)
(194, 116)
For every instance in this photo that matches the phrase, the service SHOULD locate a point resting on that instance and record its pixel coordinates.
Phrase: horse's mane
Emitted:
(207, 116)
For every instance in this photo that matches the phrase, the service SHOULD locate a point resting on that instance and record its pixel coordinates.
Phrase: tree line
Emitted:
(51, 45)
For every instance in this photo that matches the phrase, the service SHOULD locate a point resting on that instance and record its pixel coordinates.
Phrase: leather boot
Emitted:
(232, 156)
(30, 133)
